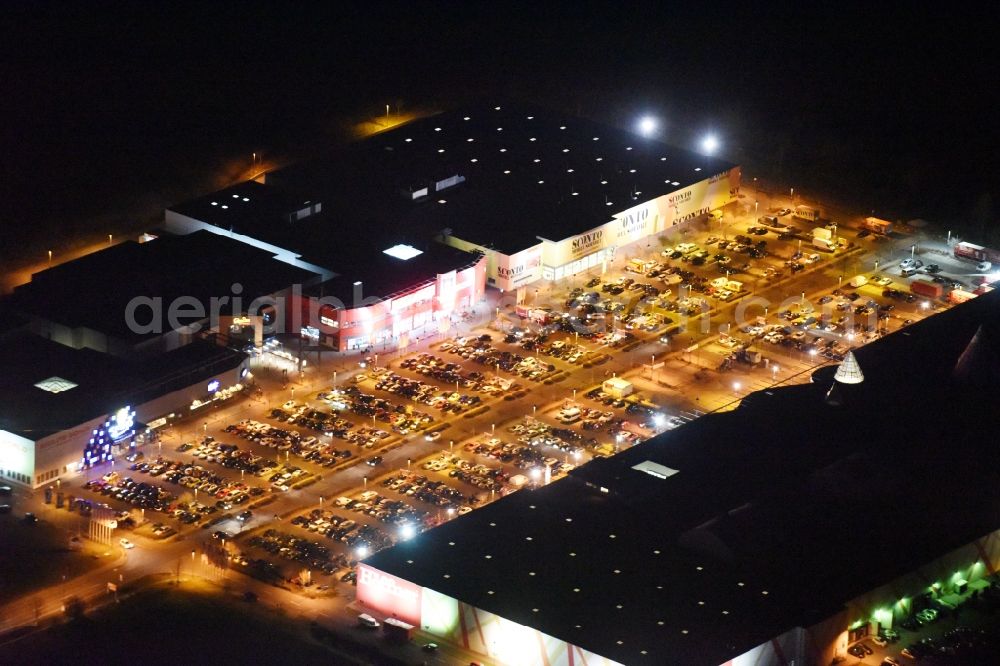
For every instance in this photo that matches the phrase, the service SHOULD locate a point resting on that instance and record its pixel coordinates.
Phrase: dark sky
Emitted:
(110, 114)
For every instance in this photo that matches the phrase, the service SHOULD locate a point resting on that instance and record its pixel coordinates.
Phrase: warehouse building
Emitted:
(776, 533)
(527, 194)
(87, 375)
(541, 195)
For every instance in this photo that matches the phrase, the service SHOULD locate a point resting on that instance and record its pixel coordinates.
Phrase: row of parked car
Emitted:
(430, 365)
(345, 530)
(481, 350)
(193, 476)
(231, 456)
(305, 551)
(418, 486)
(142, 495)
(426, 394)
(478, 475)
(401, 418)
(519, 455)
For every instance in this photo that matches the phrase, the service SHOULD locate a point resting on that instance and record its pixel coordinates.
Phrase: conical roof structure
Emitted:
(979, 363)
(849, 372)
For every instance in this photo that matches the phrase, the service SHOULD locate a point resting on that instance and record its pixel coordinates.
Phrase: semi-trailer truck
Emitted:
(927, 289)
(807, 213)
(877, 226)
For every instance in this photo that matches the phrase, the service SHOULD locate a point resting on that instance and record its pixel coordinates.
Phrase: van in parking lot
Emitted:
(859, 281)
(366, 620)
(570, 415)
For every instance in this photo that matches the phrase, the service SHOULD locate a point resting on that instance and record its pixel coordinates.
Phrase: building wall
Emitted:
(17, 457)
(390, 323)
(61, 452)
(881, 607)
(498, 640)
(891, 603)
(568, 256)
(553, 259)
(58, 454)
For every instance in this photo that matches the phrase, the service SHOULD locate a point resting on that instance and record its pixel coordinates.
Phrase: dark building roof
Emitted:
(94, 291)
(91, 384)
(247, 208)
(382, 275)
(527, 173)
(351, 248)
(780, 511)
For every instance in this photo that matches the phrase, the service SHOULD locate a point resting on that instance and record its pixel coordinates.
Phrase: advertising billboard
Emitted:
(518, 269)
(706, 195)
(389, 595)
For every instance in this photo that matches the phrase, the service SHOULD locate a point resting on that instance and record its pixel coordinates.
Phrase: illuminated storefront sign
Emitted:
(326, 321)
(119, 426)
(588, 242)
(520, 268)
(402, 302)
(637, 223)
(388, 594)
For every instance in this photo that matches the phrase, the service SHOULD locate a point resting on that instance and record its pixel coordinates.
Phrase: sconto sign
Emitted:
(635, 220)
(587, 242)
(635, 224)
(520, 265)
(679, 198)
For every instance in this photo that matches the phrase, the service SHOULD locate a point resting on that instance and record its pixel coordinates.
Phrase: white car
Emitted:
(126, 544)
(432, 436)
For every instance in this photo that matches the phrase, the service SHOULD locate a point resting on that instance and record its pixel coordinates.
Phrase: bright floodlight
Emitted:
(709, 144)
(362, 552)
(403, 252)
(407, 531)
(536, 473)
(647, 125)
(659, 420)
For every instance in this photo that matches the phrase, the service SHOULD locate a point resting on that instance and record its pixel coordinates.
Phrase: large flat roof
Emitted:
(353, 248)
(527, 173)
(94, 291)
(758, 531)
(81, 384)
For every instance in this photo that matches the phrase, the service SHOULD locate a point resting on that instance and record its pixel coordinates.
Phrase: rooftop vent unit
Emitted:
(450, 181)
(415, 192)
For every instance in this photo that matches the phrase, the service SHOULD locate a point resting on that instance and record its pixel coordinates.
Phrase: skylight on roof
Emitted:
(403, 251)
(55, 385)
(655, 469)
